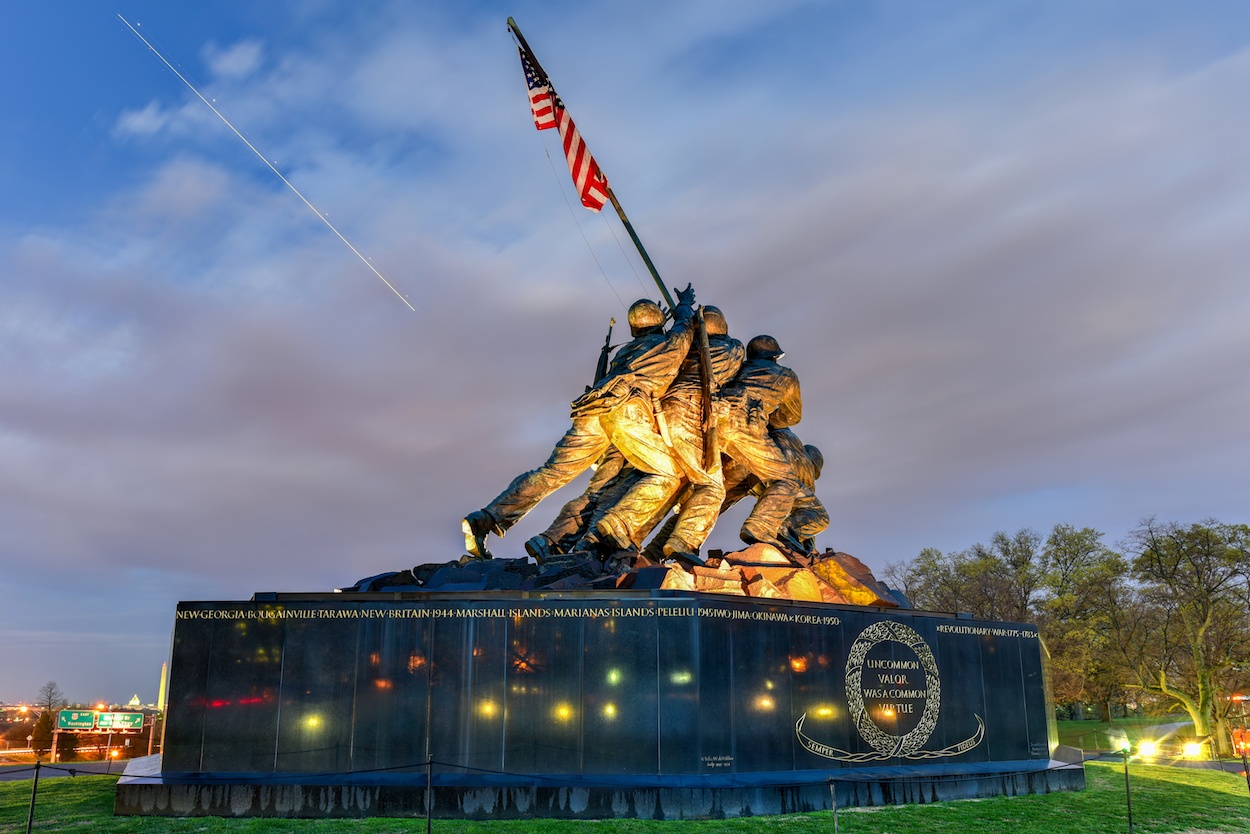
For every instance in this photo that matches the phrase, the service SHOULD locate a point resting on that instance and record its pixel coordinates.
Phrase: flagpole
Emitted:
(629, 227)
(616, 204)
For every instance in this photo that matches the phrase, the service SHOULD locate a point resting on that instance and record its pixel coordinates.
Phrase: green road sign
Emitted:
(75, 720)
(119, 720)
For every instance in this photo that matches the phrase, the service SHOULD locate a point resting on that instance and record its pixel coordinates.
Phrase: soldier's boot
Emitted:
(613, 533)
(476, 526)
(753, 535)
(541, 548)
(681, 552)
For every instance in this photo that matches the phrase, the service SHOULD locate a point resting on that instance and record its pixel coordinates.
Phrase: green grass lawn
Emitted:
(1095, 735)
(1165, 799)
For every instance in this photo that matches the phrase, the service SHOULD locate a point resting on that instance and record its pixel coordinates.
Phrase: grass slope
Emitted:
(1165, 799)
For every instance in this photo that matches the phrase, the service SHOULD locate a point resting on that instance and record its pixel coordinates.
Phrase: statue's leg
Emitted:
(627, 522)
(808, 518)
(575, 516)
(580, 447)
(761, 456)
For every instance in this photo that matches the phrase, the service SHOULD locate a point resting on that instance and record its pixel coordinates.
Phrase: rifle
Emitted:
(601, 369)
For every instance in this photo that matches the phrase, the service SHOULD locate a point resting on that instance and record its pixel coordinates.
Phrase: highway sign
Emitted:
(75, 720)
(119, 720)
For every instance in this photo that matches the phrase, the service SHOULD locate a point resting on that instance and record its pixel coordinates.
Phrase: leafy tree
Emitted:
(998, 581)
(16, 734)
(1077, 571)
(42, 732)
(1183, 629)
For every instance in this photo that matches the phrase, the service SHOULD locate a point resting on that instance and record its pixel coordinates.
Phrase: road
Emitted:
(14, 772)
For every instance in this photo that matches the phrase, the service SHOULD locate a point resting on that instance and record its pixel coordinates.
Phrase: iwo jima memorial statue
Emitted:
(617, 670)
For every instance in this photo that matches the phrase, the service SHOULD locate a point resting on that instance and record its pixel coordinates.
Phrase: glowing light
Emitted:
(768, 685)
(375, 658)
(887, 711)
(562, 713)
(1192, 750)
(823, 712)
(99, 706)
(681, 678)
(609, 711)
(415, 662)
(487, 709)
(1149, 749)
(313, 722)
(798, 664)
(764, 703)
(383, 683)
(614, 676)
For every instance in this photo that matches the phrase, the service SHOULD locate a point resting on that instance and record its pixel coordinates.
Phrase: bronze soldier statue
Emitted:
(629, 521)
(808, 516)
(620, 411)
(764, 396)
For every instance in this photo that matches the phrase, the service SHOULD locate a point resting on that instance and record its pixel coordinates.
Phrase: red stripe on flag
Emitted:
(589, 181)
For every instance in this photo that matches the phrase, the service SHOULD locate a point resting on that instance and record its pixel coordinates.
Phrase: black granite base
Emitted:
(149, 795)
(591, 704)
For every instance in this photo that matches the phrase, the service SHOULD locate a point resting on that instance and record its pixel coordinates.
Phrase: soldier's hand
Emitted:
(685, 297)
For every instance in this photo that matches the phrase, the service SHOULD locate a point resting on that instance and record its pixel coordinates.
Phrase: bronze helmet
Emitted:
(765, 347)
(645, 314)
(714, 321)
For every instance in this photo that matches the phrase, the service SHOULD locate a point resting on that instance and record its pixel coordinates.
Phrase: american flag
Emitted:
(549, 112)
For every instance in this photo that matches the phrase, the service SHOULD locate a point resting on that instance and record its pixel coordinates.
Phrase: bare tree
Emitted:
(50, 697)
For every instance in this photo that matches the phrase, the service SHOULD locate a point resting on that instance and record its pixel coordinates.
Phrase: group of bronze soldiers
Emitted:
(684, 418)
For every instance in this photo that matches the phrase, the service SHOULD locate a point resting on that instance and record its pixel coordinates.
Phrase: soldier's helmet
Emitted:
(818, 460)
(645, 314)
(764, 347)
(714, 321)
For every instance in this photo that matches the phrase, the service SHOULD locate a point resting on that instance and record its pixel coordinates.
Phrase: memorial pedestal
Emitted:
(653, 704)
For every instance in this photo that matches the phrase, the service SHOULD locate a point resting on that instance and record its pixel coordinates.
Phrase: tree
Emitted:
(16, 734)
(50, 697)
(49, 700)
(1076, 573)
(998, 581)
(1183, 630)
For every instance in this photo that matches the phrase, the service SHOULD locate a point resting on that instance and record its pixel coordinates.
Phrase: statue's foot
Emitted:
(476, 525)
(753, 536)
(613, 533)
(680, 551)
(541, 548)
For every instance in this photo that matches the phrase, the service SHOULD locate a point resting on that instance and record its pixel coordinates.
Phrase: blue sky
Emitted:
(1003, 245)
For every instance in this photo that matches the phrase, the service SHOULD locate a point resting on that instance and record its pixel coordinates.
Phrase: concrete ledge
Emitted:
(146, 795)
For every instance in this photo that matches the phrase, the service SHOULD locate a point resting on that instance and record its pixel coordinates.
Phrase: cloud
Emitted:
(150, 120)
(1011, 300)
(234, 62)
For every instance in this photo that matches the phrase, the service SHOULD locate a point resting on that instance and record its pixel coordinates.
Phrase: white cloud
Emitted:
(237, 61)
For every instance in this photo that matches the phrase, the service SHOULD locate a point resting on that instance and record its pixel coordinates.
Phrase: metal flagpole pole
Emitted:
(620, 212)
(629, 227)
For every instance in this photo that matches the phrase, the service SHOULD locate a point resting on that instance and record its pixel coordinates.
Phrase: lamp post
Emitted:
(1241, 747)
(1128, 795)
